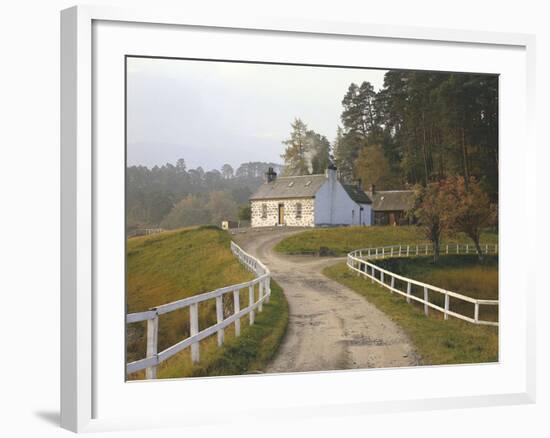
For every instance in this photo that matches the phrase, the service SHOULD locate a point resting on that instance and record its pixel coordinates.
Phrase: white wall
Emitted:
(29, 181)
(333, 206)
(366, 216)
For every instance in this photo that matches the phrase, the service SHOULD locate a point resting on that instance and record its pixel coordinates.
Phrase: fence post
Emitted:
(446, 313)
(447, 249)
(391, 251)
(267, 289)
(260, 295)
(476, 312)
(382, 277)
(426, 249)
(376, 252)
(407, 250)
(237, 309)
(426, 307)
(467, 248)
(194, 325)
(369, 252)
(408, 292)
(152, 343)
(392, 284)
(219, 318)
(416, 249)
(251, 303)
(372, 276)
(399, 250)
(486, 249)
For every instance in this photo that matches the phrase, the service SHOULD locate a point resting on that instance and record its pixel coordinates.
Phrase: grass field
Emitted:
(437, 341)
(178, 264)
(341, 240)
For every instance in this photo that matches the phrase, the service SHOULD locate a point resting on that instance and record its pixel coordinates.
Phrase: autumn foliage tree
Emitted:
(430, 212)
(470, 209)
(451, 205)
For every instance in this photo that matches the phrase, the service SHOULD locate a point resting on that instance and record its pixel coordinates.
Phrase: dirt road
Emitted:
(330, 326)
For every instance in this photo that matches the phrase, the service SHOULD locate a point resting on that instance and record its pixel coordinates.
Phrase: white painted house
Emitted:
(308, 201)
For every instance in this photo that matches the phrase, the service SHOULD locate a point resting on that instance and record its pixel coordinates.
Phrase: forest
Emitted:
(419, 128)
(173, 196)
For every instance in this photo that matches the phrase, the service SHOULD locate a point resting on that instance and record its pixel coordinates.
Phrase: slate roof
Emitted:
(356, 194)
(392, 200)
(285, 187)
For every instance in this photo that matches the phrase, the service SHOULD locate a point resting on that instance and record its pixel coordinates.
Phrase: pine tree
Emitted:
(296, 152)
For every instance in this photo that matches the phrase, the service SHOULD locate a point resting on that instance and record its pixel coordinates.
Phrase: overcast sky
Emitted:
(211, 113)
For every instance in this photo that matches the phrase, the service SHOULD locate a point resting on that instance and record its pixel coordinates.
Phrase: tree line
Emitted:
(421, 127)
(173, 196)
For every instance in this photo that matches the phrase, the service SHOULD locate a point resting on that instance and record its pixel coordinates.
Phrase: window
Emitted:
(264, 211)
(298, 210)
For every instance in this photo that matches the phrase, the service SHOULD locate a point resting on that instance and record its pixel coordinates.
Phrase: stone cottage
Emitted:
(308, 201)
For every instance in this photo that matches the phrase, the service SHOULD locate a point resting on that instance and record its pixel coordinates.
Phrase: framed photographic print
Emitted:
(257, 209)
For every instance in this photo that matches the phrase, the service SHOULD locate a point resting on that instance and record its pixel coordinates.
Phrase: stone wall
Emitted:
(307, 218)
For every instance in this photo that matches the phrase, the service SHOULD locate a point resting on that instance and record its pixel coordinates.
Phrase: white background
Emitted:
(29, 219)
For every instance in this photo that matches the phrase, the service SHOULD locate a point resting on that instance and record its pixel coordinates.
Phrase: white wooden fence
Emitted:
(145, 232)
(357, 261)
(154, 358)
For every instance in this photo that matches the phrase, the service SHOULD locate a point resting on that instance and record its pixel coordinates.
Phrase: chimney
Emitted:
(372, 188)
(271, 175)
(331, 172)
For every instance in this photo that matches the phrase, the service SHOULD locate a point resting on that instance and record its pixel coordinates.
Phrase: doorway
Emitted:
(281, 214)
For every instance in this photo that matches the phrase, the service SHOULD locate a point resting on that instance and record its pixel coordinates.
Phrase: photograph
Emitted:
(289, 218)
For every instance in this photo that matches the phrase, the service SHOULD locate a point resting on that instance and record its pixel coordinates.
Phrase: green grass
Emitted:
(173, 265)
(437, 341)
(341, 240)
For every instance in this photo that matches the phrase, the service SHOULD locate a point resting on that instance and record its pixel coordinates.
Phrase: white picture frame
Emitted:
(83, 321)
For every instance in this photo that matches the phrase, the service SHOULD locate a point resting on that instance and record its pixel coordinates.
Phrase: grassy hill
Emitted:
(341, 240)
(182, 263)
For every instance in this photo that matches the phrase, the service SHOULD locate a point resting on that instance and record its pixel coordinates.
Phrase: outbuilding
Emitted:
(390, 207)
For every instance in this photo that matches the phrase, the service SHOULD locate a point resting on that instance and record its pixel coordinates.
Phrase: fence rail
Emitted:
(154, 358)
(358, 262)
(144, 232)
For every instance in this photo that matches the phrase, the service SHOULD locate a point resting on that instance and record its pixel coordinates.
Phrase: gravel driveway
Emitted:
(330, 326)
